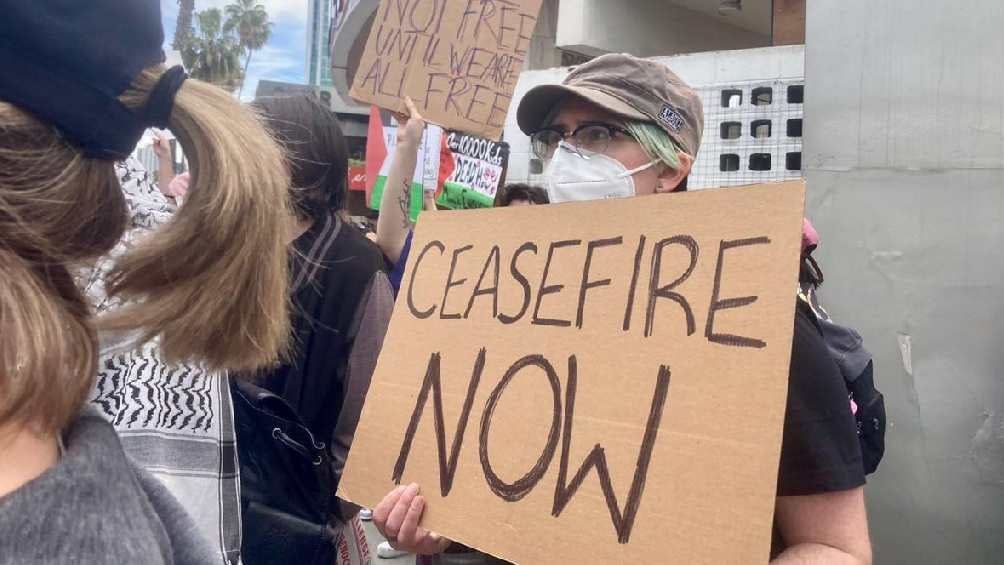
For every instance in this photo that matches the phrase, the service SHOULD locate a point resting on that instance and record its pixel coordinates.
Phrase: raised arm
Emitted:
(165, 161)
(394, 222)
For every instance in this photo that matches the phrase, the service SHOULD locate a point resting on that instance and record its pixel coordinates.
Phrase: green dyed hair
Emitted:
(656, 142)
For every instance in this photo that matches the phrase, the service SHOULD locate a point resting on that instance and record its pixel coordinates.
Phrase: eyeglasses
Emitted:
(594, 138)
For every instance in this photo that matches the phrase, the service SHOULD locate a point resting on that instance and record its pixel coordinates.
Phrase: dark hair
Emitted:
(510, 192)
(809, 271)
(316, 150)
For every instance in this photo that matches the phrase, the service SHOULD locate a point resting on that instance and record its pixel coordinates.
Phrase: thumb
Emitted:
(439, 542)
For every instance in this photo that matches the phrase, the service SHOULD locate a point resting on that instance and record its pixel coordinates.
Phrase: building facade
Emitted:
(318, 54)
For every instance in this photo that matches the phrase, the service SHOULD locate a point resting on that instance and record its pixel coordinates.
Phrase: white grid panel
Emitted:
(707, 171)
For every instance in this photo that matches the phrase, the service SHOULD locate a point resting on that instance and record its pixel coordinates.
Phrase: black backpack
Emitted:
(870, 418)
(287, 483)
(288, 480)
(842, 341)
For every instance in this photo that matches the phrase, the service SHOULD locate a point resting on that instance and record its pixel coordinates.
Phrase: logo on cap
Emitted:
(671, 118)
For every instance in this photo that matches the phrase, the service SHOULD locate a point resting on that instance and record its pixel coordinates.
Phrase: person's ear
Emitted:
(670, 179)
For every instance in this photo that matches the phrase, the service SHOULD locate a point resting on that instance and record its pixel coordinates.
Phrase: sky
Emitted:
(283, 57)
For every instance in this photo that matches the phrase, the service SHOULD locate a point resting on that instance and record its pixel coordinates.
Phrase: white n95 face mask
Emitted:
(575, 174)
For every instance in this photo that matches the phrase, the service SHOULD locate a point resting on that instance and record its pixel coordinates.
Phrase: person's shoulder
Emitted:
(819, 449)
(95, 482)
(185, 542)
(352, 245)
(336, 255)
(815, 386)
(346, 268)
(808, 336)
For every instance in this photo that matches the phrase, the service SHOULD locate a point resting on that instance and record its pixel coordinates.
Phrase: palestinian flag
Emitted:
(376, 151)
(447, 164)
(478, 171)
(381, 141)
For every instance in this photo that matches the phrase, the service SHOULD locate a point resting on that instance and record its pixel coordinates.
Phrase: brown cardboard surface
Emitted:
(458, 59)
(706, 494)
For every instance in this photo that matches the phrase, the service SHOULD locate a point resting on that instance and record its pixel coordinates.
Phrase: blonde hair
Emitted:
(212, 284)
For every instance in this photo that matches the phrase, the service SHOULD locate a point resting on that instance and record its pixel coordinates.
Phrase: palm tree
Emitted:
(183, 26)
(250, 20)
(213, 55)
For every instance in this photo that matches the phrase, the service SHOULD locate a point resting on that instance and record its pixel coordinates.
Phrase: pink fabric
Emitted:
(809, 235)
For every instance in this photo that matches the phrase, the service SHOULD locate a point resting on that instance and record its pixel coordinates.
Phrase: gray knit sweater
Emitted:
(96, 506)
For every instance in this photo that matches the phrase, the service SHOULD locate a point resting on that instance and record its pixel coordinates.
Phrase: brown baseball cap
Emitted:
(637, 89)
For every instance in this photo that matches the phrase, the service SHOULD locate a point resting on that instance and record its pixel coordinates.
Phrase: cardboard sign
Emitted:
(593, 382)
(479, 169)
(457, 59)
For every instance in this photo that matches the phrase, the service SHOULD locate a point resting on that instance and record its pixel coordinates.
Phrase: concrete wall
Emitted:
(542, 53)
(904, 156)
(645, 28)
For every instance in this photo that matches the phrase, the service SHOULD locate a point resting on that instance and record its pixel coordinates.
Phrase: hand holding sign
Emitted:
(410, 126)
(397, 517)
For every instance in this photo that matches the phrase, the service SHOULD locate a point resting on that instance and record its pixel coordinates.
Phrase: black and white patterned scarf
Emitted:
(175, 420)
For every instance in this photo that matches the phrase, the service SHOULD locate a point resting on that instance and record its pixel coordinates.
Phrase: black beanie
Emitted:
(68, 61)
